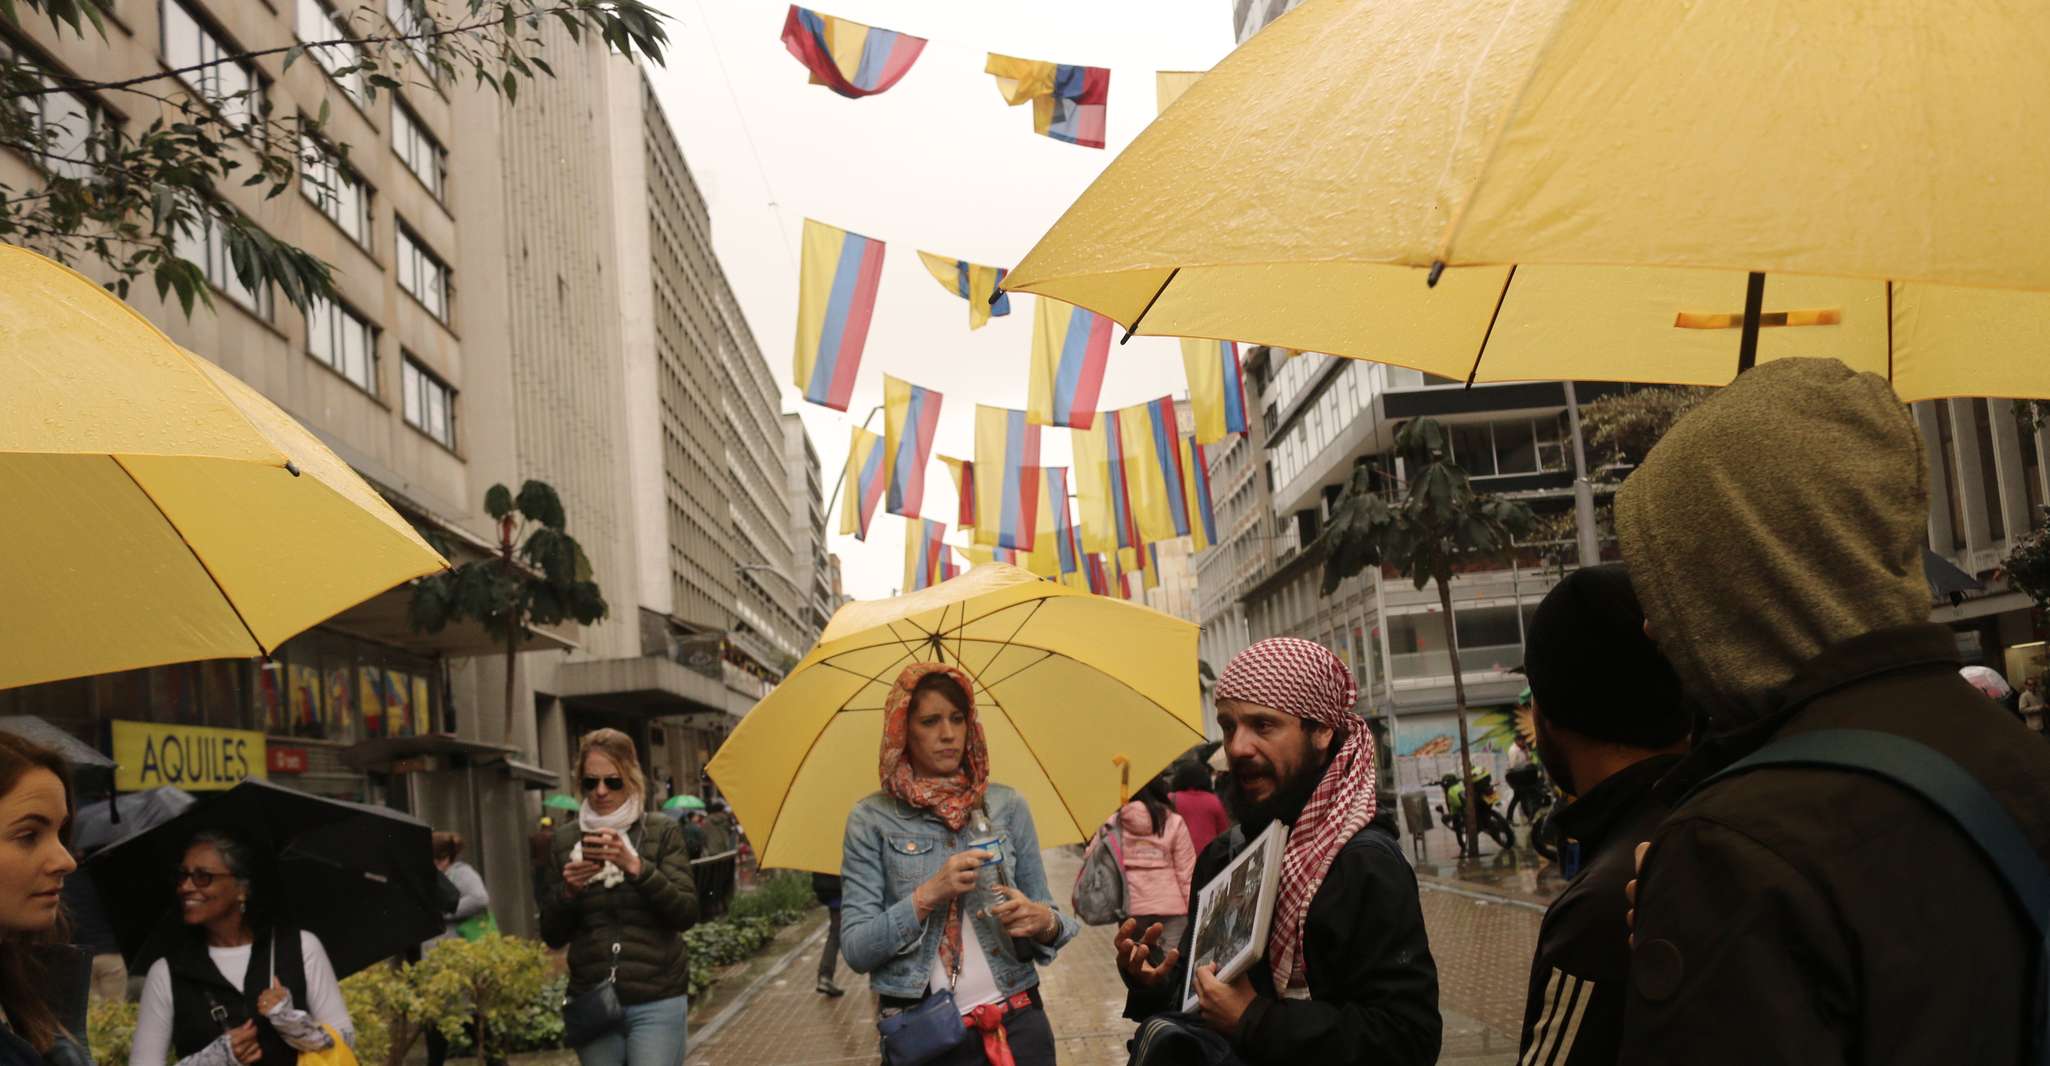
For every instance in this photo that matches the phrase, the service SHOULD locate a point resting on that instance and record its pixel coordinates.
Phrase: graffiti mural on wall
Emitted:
(1425, 735)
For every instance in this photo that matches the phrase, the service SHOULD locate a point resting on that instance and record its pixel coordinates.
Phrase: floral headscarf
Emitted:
(951, 799)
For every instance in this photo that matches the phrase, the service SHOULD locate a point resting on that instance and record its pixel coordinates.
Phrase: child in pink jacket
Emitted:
(1158, 859)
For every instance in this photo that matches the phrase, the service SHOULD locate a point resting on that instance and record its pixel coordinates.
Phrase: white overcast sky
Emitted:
(936, 163)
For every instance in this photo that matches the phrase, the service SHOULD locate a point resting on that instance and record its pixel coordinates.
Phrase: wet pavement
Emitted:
(1482, 916)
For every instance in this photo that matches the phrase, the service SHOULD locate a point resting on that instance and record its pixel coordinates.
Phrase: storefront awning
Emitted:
(649, 685)
(380, 752)
(383, 618)
(529, 775)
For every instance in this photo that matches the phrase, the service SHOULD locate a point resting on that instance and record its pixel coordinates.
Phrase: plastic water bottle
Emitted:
(995, 872)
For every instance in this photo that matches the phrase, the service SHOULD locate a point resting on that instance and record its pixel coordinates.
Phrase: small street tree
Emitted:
(127, 196)
(540, 577)
(1426, 529)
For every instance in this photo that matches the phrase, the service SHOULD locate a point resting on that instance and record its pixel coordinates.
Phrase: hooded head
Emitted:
(956, 792)
(1784, 515)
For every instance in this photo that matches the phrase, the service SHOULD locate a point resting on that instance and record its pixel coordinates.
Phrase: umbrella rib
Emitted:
(1044, 655)
(218, 587)
(1043, 772)
(1482, 351)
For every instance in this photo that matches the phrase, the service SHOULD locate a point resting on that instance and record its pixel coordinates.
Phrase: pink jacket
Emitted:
(1157, 868)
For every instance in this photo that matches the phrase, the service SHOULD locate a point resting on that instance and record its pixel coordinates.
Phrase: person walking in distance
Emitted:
(1158, 860)
(827, 888)
(1609, 721)
(1195, 799)
(1822, 910)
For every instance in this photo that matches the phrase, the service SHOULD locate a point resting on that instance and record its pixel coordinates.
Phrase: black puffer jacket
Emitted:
(644, 915)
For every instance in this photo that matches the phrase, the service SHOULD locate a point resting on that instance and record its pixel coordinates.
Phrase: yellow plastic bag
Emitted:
(338, 1055)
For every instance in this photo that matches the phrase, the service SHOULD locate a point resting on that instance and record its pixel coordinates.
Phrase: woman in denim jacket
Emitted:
(906, 874)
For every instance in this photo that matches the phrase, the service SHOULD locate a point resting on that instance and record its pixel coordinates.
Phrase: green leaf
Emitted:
(512, 87)
(498, 502)
(292, 55)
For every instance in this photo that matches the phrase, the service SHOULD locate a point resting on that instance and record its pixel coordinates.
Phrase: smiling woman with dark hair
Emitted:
(229, 987)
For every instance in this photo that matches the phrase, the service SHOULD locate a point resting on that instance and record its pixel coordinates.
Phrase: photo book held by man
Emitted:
(1235, 911)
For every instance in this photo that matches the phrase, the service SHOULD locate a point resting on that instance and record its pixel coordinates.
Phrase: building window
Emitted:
(341, 339)
(410, 18)
(423, 275)
(1946, 440)
(1473, 449)
(64, 127)
(323, 685)
(333, 188)
(343, 62)
(1989, 471)
(430, 405)
(204, 245)
(2032, 471)
(416, 148)
(232, 88)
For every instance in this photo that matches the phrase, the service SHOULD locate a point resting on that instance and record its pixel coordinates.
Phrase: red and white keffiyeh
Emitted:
(1306, 680)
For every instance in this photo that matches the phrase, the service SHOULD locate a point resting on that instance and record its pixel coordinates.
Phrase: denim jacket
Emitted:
(893, 847)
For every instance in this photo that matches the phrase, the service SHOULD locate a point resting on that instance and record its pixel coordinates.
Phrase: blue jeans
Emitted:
(655, 1034)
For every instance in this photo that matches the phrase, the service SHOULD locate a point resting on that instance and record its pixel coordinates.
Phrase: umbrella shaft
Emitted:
(1754, 307)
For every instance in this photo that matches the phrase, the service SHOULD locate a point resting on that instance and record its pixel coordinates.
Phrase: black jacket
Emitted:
(1820, 916)
(1373, 983)
(646, 916)
(198, 987)
(1574, 1009)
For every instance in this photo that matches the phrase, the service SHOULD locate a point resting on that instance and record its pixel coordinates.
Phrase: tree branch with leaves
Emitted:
(130, 202)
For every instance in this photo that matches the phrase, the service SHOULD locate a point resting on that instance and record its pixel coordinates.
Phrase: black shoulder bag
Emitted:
(594, 1012)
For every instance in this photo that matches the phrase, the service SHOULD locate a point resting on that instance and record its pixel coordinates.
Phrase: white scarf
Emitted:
(619, 821)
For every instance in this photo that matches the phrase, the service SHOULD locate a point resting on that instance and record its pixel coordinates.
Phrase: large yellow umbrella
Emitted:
(163, 510)
(1600, 189)
(1080, 697)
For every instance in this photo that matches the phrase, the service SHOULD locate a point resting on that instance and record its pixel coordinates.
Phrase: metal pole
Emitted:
(842, 479)
(1583, 489)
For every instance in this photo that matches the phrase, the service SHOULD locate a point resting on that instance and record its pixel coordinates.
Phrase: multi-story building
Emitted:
(525, 291)
(807, 522)
(1987, 488)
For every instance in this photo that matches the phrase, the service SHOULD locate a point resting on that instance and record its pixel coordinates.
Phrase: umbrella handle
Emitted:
(1124, 766)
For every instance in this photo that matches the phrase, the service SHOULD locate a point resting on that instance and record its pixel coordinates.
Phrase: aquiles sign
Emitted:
(194, 758)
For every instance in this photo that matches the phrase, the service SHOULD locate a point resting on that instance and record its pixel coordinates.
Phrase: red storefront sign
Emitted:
(286, 760)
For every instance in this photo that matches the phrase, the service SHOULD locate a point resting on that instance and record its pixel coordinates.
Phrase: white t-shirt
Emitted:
(977, 985)
(152, 1044)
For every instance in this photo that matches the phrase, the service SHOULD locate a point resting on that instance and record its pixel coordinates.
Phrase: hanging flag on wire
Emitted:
(1070, 347)
(972, 282)
(1066, 535)
(963, 471)
(1152, 572)
(1007, 460)
(925, 543)
(1100, 485)
(836, 296)
(980, 554)
(910, 414)
(1202, 514)
(1068, 101)
(864, 483)
(949, 567)
(845, 56)
(1099, 574)
(1169, 85)
(1151, 444)
(1217, 388)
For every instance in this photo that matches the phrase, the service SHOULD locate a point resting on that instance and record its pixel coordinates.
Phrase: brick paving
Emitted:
(1483, 946)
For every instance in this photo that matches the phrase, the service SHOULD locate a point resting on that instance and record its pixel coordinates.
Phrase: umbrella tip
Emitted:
(1437, 269)
(995, 295)
(292, 468)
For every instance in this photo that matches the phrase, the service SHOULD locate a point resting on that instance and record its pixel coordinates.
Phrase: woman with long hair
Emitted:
(620, 896)
(918, 911)
(1158, 859)
(35, 815)
(235, 985)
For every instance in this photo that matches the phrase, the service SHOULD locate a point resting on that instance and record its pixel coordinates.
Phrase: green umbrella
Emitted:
(684, 802)
(561, 802)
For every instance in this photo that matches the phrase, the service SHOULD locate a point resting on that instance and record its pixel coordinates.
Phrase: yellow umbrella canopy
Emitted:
(169, 512)
(1065, 684)
(1508, 189)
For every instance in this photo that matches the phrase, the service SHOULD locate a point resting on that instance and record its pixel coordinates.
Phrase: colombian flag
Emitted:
(1150, 443)
(909, 415)
(836, 295)
(964, 489)
(979, 554)
(864, 483)
(1100, 486)
(1217, 388)
(925, 545)
(1070, 346)
(971, 282)
(1068, 101)
(1202, 515)
(1099, 574)
(1067, 536)
(845, 56)
(1006, 498)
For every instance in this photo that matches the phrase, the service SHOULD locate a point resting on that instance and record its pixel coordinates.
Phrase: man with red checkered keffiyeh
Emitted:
(1348, 975)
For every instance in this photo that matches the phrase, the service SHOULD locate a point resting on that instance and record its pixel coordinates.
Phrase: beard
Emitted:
(1290, 795)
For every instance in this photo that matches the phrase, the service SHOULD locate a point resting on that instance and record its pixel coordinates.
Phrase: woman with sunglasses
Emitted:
(235, 985)
(620, 896)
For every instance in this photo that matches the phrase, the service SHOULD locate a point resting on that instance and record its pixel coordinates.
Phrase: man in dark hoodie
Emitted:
(1811, 915)
(1347, 975)
(1609, 723)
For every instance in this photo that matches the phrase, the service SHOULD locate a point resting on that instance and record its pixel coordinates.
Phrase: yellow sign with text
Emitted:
(194, 758)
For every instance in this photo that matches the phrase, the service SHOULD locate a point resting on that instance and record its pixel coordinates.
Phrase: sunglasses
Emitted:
(612, 784)
(199, 878)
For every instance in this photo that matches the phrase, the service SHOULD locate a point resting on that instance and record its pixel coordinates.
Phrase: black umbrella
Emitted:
(94, 827)
(361, 878)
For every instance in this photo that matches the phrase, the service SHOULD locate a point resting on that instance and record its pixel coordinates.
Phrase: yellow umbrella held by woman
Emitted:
(166, 512)
(1596, 189)
(1065, 683)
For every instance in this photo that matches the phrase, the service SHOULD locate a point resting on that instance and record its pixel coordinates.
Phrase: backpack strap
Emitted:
(1948, 787)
